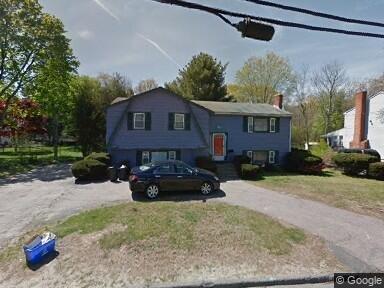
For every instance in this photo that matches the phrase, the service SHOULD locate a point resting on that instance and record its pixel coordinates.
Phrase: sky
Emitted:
(143, 39)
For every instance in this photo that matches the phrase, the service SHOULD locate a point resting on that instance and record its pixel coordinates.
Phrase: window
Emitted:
(159, 156)
(260, 156)
(182, 169)
(250, 124)
(271, 157)
(172, 155)
(260, 124)
(145, 157)
(249, 154)
(139, 121)
(272, 125)
(179, 122)
(164, 169)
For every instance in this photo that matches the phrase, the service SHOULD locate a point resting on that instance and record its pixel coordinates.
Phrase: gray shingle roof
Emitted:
(233, 108)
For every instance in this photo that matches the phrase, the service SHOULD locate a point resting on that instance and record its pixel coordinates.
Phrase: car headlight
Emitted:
(216, 178)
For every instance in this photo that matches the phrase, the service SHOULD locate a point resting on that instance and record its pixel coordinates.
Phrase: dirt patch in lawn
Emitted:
(141, 243)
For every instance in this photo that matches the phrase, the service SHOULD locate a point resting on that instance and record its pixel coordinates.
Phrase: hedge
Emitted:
(304, 162)
(238, 160)
(353, 163)
(89, 169)
(101, 156)
(376, 170)
(249, 171)
(205, 162)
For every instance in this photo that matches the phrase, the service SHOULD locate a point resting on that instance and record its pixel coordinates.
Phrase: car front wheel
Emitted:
(152, 191)
(206, 188)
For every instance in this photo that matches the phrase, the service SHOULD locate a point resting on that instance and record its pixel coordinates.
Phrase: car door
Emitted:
(165, 176)
(187, 178)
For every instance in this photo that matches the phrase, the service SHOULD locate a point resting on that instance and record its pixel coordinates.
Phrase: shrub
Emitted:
(353, 163)
(206, 163)
(376, 170)
(238, 160)
(89, 169)
(249, 171)
(101, 156)
(304, 162)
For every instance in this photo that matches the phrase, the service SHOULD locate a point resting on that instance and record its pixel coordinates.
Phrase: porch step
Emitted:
(226, 171)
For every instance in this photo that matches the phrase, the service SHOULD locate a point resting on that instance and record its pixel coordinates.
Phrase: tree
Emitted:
(203, 78)
(262, 77)
(145, 85)
(88, 116)
(114, 86)
(27, 38)
(330, 84)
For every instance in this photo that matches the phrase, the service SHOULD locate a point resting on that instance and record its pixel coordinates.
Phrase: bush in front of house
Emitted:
(376, 170)
(353, 163)
(249, 171)
(238, 160)
(89, 169)
(101, 156)
(205, 162)
(303, 161)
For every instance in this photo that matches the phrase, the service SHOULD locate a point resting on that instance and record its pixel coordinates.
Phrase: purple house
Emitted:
(159, 125)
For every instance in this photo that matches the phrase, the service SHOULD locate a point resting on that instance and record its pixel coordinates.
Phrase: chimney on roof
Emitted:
(278, 101)
(359, 136)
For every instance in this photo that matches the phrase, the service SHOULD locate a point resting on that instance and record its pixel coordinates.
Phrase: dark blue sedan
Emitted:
(173, 175)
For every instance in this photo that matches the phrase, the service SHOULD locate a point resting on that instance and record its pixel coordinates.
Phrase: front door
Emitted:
(219, 149)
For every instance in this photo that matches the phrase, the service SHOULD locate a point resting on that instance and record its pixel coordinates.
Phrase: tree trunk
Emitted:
(55, 138)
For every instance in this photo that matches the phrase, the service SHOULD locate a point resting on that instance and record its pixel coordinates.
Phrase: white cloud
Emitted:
(85, 34)
(106, 9)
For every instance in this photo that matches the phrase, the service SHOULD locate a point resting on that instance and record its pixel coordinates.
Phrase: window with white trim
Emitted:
(250, 124)
(145, 157)
(179, 123)
(272, 125)
(260, 156)
(138, 120)
(260, 124)
(249, 154)
(271, 157)
(171, 155)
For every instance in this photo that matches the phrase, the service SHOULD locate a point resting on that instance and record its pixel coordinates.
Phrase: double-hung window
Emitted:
(271, 157)
(179, 122)
(260, 124)
(272, 125)
(138, 120)
(171, 155)
(250, 124)
(145, 157)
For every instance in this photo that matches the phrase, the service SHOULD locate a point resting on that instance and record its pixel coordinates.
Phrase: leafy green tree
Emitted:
(262, 77)
(28, 40)
(203, 78)
(88, 116)
(114, 86)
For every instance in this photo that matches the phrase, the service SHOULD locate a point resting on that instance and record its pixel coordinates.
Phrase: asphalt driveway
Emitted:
(47, 194)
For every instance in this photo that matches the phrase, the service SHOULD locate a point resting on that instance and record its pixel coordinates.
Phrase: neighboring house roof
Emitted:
(118, 99)
(339, 132)
(234, 108)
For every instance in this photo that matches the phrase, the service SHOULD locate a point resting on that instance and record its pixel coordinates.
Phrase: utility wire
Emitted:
(315, 13)
(221, 12)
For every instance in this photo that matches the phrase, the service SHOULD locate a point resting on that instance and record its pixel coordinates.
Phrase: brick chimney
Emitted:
(359, 136)
(278, 101)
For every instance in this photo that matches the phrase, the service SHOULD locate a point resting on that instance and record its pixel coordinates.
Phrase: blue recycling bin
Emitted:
(37, 249)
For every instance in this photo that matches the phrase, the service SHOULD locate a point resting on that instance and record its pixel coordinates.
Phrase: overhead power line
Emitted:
(219, 11)
(315, 13)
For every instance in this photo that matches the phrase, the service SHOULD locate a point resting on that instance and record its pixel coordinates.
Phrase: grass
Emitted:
(27, 158)
(182, 226)
(365, 196)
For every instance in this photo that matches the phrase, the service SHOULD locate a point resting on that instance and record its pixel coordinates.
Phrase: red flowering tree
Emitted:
(24, 119)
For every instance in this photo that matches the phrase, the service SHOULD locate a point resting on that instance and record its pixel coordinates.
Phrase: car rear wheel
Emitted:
(206, 188)
(152, 191)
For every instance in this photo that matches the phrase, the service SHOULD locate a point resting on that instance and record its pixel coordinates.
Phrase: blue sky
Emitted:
(143, 39)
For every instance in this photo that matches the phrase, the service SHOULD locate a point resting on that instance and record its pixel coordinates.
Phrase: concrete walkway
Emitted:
(356, 239)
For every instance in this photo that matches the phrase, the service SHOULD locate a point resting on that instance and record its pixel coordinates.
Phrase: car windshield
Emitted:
(167, 142)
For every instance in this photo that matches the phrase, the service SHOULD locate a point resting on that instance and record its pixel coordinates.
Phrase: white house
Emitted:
(363, 124)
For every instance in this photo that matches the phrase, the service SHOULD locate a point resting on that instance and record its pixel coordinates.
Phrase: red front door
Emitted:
(219, 146)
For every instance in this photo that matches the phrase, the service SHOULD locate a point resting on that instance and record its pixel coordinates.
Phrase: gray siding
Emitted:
(238, 140)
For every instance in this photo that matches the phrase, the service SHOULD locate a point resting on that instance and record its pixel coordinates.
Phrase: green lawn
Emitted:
(27, 158)
(365, 196)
